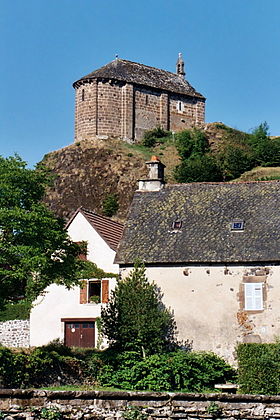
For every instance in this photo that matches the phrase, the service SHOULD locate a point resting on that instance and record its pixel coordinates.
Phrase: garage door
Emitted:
(80, 334)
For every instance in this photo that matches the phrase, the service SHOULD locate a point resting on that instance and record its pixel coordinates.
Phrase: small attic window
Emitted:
(177, 224)
(237, 225)
(83, 95)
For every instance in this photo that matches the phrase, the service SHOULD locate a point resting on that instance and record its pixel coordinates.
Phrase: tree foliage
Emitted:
(235, 153)
(35, 249)
(191, 144)
(110, 205)
(198, 169)
(155, 136)
(135, 318)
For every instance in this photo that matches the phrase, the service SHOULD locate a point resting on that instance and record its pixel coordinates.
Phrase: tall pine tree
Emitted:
(135, 317)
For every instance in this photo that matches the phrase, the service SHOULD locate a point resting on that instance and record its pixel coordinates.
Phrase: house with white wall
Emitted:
(214, 251)
(70, 315)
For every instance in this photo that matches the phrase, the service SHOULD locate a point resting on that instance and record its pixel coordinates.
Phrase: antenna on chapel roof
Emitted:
(180, 66)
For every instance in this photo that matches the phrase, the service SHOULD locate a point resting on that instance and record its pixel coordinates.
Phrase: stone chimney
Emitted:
(180, 66)
(155, 180)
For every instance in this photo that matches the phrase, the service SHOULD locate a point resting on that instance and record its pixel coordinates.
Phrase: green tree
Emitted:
(191, 143)
(233, 161)
(198, 169)
(35, 249)
(110, 205)
(266, 151)
(135, 318)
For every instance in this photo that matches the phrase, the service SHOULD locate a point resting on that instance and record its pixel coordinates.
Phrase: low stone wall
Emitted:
(17, 404)
(15, 333)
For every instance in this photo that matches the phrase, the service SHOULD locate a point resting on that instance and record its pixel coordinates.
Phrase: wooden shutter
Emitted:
(253, 296)
(105, 291)
(83, 292)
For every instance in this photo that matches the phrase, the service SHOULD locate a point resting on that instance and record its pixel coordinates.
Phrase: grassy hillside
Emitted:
(87, 172)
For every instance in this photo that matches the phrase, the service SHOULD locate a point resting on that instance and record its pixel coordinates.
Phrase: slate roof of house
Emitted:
(107, 228)
(136, 73)
(206, 211)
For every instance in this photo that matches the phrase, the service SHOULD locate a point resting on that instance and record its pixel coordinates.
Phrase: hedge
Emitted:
(56, 364)
(259, 368)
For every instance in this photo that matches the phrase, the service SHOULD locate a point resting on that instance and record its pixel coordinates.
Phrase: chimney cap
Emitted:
(155, 158)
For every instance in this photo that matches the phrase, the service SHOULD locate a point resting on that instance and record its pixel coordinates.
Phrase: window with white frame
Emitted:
(180, 106)
(253, 296)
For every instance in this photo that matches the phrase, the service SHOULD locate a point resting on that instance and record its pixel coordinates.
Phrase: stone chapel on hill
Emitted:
(123, 99)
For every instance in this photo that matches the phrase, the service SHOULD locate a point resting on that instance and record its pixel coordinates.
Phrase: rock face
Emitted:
(87, 172)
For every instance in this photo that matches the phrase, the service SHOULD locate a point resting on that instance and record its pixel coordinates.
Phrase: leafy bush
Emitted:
(199, 169)
(259, 368)
(175, 371)
(152, 137)
(110, 205)
(236, 153)
(19, 310)
(191, 143)
(233, 161)
(51, 364)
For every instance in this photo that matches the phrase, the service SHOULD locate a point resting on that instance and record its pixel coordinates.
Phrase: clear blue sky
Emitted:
(230, 47)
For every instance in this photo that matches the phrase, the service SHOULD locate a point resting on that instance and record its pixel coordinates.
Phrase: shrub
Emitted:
(191, 143)
(259, 368)
(199, 169)
(234, 161)
(175, 371)
(19, 310)
(12, 368)
(152, 137)
(110, 205)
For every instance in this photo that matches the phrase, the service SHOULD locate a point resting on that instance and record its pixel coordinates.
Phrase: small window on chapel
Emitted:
(83, 95)
(147, 100)
(180, 106)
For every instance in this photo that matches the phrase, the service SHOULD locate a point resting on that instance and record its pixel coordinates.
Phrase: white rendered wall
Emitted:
(207, 305)
(57, 302)
(98, 250)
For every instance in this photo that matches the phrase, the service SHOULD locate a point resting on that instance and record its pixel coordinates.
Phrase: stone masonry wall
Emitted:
(19, 404)
(147, 111)
(107, 108)
(14, 333)
(187, 114)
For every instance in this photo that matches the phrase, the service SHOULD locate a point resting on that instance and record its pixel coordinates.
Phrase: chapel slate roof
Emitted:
(206, 211)
(136, 73)
(107, 228)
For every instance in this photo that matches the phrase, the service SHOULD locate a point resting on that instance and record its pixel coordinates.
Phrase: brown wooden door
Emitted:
(79, 334)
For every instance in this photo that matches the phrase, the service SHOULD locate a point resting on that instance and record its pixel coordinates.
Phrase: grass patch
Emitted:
(260, 174)
(138, 149)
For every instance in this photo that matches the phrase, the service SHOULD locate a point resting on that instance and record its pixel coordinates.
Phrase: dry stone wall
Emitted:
(14, 333)
(18, 404)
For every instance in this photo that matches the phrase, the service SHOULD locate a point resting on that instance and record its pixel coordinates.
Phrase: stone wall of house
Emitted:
(17, 404)
(106, 109)
(15, 333)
